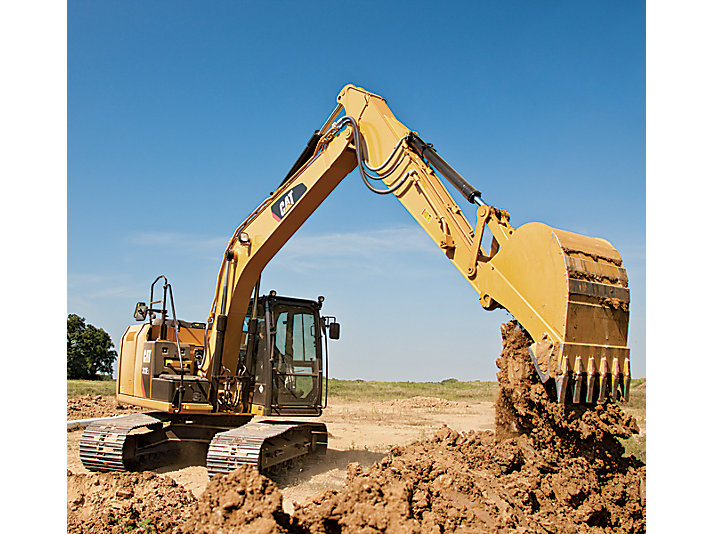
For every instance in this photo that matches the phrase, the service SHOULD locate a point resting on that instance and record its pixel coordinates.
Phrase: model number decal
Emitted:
(284, 203)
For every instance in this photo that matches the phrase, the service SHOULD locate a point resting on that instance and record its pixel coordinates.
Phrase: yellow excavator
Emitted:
(266, 355)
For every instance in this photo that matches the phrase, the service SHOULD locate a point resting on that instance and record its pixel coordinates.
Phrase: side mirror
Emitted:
(140, 311)
(334, 330)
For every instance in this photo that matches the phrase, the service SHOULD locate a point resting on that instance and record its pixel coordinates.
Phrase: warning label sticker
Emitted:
(426, 215)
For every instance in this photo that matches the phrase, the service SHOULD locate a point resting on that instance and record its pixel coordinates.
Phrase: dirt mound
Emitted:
(89, 406)
(123, 502)
(242, 501)
(470, 482)
(422, 402)
(550, 468)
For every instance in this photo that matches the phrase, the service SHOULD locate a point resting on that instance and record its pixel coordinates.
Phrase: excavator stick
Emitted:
(570, 292)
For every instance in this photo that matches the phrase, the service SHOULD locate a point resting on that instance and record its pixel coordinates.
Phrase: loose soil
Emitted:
(542, 467)
(90, 406)
(123, 502)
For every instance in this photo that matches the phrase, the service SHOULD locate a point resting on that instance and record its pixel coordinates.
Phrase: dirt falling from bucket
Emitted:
(523, 407)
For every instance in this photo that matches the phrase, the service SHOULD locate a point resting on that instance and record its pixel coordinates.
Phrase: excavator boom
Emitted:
(569, 291)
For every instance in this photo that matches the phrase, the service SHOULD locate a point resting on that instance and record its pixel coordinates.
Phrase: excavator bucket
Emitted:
(570, 292)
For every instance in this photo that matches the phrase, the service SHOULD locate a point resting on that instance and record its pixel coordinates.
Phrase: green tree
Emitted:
(89, 350)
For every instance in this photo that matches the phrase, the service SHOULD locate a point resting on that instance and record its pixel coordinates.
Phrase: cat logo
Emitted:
(284, 203)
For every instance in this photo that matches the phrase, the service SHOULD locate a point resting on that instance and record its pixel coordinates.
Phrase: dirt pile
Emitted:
(422, 402)
(89, 406)
(472, 483)
(550, 468)
(242, 501)
(125, 502)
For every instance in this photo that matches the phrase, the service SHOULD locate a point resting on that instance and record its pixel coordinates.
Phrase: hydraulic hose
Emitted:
(361, 163)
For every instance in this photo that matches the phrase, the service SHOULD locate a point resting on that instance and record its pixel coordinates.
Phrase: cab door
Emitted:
(296, 360)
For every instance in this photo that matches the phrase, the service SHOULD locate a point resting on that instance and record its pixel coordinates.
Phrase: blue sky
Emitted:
(183, 116)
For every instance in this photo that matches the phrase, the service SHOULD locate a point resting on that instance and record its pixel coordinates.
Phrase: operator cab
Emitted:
(285, 348)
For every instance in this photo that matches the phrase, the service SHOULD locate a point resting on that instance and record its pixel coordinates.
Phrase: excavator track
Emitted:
(149, 440)
(137, 441)
(264, 444)
(103, 444)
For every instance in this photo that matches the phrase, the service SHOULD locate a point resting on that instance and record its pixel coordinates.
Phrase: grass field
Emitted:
(91, 387)
(450, 389)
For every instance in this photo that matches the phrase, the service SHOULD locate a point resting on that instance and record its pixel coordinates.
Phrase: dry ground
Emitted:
(362, 432)
(358, 432)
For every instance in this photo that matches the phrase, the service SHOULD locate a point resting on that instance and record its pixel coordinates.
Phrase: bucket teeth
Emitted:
(615, 378)
(562, 380)
(603, 377)
(626, 379)
(594, 383)
(578, 379)
(591, 381)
